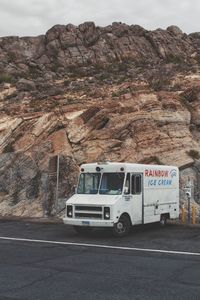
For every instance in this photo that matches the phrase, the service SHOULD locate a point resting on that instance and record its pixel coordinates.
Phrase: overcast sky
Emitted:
(35, 17)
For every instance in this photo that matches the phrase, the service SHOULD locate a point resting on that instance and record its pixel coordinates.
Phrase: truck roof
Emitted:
(123, 166)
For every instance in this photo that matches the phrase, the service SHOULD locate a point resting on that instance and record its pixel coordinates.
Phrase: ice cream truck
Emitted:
(120, 195)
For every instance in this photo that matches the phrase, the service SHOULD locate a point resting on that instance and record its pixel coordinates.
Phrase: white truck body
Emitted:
(107, 191)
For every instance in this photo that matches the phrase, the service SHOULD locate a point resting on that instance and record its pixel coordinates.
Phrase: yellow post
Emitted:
(193, 214)
(183, 215)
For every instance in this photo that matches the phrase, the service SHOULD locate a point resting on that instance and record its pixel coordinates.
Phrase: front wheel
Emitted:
(163, 220)
(122, 227)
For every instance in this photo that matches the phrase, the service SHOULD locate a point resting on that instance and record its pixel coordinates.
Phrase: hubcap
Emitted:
(162, 222)
(120, 227)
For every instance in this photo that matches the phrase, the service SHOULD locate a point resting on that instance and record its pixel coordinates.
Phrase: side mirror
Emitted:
(126, 190)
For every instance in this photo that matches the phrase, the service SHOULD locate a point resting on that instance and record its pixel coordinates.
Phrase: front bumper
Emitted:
(90, 223)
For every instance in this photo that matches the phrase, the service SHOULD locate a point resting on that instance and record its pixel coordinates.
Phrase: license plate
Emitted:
(87, 223)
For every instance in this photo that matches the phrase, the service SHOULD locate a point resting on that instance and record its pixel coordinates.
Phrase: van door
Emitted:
(137, 197)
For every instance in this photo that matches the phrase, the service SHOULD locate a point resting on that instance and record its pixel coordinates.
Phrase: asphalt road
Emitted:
(33, 266)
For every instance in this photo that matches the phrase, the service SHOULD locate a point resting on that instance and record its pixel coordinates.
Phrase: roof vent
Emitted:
(103, 163)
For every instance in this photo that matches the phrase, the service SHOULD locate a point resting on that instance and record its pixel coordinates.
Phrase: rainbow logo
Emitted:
(173, 173)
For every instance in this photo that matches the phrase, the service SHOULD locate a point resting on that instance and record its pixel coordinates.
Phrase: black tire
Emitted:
(82, 230)
(163, 220)
(122, 227)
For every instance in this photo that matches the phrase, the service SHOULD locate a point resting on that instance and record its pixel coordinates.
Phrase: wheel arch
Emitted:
(125, 214)
(166, 215)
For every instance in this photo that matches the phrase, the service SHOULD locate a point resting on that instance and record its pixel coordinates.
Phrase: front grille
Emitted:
(88, 211)
(88, 208)
(88, 215)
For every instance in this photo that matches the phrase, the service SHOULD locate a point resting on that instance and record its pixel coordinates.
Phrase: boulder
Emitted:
(25, 85)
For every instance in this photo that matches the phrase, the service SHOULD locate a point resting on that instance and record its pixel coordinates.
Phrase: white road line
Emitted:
(101, 246)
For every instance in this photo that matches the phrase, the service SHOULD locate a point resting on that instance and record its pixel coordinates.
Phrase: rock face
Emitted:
(85, 93)
(70, 46)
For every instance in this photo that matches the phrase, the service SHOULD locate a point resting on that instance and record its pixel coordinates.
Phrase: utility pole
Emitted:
(189, 198)
(57, 183)
(188, 192)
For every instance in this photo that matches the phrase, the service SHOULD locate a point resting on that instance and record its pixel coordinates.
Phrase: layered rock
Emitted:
(85, 93)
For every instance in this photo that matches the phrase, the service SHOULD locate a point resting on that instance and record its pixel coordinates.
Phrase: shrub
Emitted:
(175, 59)
(152, 160)
(190, 95)
(8, 148)
(194, 154)
(54, 67)
(158, 84)
(66, 82)
(120, 92)
(76, 71)
(5, 78)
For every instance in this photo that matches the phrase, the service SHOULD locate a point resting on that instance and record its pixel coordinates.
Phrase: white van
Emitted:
(119, 195)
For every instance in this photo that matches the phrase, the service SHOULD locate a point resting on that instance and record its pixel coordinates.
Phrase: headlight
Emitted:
(69, 211)
(106, 213)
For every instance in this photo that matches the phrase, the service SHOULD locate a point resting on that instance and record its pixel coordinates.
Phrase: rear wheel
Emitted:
(82, 229)
(122, 227)
(163, 220)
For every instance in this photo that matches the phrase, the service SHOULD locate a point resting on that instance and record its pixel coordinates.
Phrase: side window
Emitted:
(136, 184)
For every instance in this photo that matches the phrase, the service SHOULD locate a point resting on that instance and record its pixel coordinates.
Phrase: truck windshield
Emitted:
(112, 183)
(88, 183)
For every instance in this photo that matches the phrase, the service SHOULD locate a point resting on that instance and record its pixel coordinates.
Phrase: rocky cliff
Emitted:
(86, 93)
